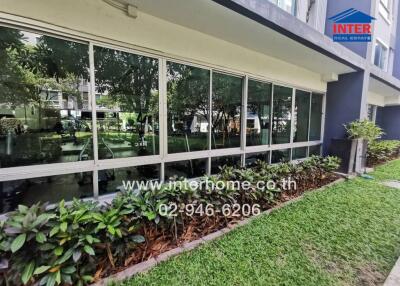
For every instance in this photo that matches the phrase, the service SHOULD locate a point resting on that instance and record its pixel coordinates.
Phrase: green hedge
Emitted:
(382, 151)
(74, 244)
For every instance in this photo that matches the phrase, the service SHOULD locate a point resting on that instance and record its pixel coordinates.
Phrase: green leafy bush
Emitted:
(382, 151)
(76, 243)
(8, 125)
(363, 129)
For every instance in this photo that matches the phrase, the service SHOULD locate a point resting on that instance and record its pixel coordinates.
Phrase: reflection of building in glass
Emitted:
(190, 124)
(51, 126)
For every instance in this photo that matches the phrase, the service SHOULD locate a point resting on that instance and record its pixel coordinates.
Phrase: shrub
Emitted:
(77, 243)
(363, 129)
(8, 125)
(382, 151)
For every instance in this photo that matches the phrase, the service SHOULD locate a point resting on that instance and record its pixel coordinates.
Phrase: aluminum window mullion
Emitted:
(309, 123)
(374, 112)
(271, 121)
(322, 135)
(292, 120)
(44, 32)
(210, 110)
(94, 119)
(45, 170)
(128, 162)
(163, 114)
(244, 118)
(162, 172)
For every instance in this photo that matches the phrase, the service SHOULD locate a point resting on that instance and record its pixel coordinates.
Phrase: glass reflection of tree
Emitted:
(282, 116)
(14, 88)
(35, 69)
(131, 82)
(188, 108)
(259, 104)
(227, 95)
(188, 93)
(31, 71)
(57, 65)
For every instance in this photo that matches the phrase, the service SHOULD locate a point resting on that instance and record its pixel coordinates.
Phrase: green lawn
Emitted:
(348, 234)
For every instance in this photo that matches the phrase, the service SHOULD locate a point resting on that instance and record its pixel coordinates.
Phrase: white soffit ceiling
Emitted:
(389, 95)
(211, 18)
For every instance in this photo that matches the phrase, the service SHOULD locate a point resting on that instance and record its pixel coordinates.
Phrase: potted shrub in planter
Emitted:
(353, 149)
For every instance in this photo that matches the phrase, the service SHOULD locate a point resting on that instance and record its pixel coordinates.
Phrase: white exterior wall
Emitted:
(375, 99)
(96, 20)
(384, 28)
(302, 6)
(317, 13)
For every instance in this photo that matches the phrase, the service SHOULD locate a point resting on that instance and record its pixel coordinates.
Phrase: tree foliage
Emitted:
(131, 81)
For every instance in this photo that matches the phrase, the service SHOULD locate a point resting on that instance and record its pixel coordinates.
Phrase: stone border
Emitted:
(394, 276)
(150, 263)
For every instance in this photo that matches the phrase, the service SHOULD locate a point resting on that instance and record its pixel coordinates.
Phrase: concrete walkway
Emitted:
(394, 276)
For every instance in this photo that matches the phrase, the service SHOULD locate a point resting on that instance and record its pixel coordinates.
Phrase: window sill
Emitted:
(384, 69)
(387, 20)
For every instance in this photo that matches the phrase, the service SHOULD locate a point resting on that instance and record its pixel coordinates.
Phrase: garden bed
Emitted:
(84, 242)
(348, 234)
(158, 242)
(183, 246)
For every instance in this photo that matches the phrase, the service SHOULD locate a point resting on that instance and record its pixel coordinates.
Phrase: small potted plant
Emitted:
(353, 149)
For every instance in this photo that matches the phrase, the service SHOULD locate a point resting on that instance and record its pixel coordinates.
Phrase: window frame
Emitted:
(374, 110)
(385, 10)
(245, 105)
(387, 6)
(280, 4)
(95, 165)
(385, 48)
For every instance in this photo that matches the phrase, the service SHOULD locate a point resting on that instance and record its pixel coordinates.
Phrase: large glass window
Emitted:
(381, 55)
(314, 150)
(252, 158)
(46, 116)
(299, 153)
(258, 113)
(126, 104)
(219, 162)
(45, 189)
(282, 114)
(188, 91)
(186, 169)
(44, 101)
(287, 5)
(316, 116)
(115, 180)
(278, 156)
(301, 116)
(372, 110)
(226, 111)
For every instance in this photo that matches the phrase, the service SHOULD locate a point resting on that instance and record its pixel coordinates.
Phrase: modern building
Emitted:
(93, 93)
